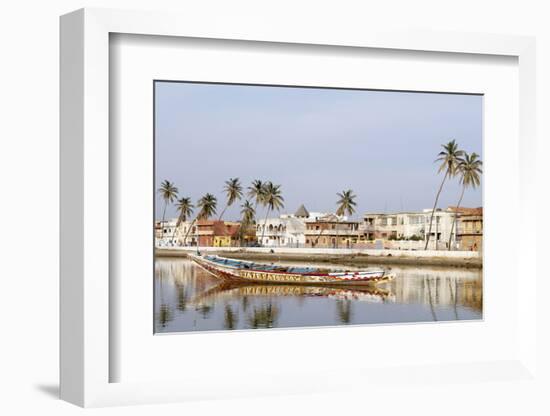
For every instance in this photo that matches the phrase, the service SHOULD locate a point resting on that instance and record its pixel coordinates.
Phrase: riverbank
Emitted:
(344, 257)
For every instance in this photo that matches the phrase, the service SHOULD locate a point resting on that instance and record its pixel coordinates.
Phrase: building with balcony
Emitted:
(470, 229)
(331, 231)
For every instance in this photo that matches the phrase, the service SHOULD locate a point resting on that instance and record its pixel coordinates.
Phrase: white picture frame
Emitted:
(85, 212)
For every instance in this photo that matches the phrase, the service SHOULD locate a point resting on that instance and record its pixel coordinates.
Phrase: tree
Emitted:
(234, 192)
(207, 205)
(168, 193)
(185, 209)
(449, 158)
(273, 200)
(256, 192)
(247, 214)
(346, 203)
(469, 169)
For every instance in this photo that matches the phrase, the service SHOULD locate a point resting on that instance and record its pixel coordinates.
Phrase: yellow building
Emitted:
(222, 241)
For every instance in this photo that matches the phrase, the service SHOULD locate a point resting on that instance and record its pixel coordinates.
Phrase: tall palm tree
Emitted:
(272, 199)
(168, 193)
(248, 213)
(234, 192)
(207, 205)
(449, 158)
(185, 209)
(346, 203)
(469, 169)
(256, 192)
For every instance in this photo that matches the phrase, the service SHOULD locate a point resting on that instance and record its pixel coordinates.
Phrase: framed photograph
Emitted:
(237, 252)
(282, 200)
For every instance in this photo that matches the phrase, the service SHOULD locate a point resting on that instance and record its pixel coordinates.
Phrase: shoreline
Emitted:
(349, 259)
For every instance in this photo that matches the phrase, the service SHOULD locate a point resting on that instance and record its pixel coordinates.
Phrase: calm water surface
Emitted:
(187, 298)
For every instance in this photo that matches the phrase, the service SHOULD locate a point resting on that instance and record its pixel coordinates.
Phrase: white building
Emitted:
(167, 235)
(285, 231)
(411, 226)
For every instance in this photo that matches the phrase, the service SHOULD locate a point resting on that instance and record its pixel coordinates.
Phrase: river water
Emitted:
(187, 298)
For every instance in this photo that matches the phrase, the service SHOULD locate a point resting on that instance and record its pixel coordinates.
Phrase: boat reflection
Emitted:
(230, 290)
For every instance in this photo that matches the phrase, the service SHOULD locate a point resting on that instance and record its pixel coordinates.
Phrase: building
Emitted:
(411, 226)
(284, 231)
(470, 229)
(166, 233)
(331, 231)
(214, 233)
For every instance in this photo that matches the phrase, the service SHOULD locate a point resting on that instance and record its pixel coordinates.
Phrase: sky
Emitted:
(314, 143)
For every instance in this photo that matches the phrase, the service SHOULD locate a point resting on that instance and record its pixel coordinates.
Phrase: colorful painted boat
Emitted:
(247, 271)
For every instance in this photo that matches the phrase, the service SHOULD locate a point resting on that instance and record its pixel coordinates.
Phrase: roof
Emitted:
(302, 212)
(467, 211)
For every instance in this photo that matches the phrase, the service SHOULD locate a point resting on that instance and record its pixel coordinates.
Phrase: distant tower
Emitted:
(301, 212)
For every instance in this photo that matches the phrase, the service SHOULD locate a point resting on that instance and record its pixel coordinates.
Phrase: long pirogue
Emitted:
(247, 271)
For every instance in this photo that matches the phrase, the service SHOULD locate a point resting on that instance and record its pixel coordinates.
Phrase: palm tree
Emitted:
(256, 192)
(185, 209)
(470, 170)
(234, 192)
(272, 199)
(346, 203)
(449, 157)
(248, 213)
(169, 193)
(207, 205)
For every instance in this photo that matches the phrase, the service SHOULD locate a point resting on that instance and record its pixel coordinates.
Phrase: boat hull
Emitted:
(359, 278)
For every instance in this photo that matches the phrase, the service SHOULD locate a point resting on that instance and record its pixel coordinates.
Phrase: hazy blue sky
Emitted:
(314, 142)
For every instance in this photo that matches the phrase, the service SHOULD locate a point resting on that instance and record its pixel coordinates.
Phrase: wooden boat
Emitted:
(247, 271)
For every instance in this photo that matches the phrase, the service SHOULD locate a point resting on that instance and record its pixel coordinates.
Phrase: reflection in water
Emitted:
(230, 318)
(263, 316)
(344, 311)
(189, 299)
(165, 315)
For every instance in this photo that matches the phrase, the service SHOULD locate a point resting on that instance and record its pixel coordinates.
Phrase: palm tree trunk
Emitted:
(178, 222)
(223, 212)
(319, 235)
(187, 233)
(162, 223)
(265, 223)
(456, 214)
(433, 210)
